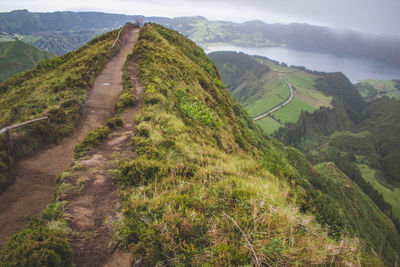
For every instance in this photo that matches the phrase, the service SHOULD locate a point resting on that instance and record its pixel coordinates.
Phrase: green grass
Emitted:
(270, 100)
(127, 98)
(306, 98)
(16, 56)
(186, 177)
(56, 88)
(43, 242)
(341, 196)
(97, 136)
(260, 93)
(391, 195)
(292, 111)
(382, 88)
(269, 125)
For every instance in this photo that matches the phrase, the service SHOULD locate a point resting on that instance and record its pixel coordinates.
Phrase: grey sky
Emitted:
(378, 16)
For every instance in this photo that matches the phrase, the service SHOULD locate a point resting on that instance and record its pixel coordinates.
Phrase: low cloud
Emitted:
(365, 15)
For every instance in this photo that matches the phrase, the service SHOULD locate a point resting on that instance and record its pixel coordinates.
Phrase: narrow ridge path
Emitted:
(34, 185)
(93, 208)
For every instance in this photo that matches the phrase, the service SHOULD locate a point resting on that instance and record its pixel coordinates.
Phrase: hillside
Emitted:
(17, 56)
(56, 88)
(200, 184)
(361, 138)
(259, 85)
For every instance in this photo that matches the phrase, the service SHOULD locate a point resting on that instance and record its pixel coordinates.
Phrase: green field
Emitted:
(259, 85)
(306, 98)
(291, 112)
(379, 88)
(392, 196)
(270, 100)
(269, 125)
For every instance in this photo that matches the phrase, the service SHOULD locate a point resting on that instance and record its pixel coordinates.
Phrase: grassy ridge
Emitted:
(357, 211)
(390, 193)
(193, 184)
(17, 56)
(56, 88)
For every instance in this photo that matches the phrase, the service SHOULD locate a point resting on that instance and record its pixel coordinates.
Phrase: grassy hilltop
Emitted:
(206, 186)
(16, 56)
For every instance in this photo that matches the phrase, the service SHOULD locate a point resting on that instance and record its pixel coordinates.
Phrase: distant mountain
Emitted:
(58, 32)
(300, 36)
(79, 27)
(24, 22)
(17, 56)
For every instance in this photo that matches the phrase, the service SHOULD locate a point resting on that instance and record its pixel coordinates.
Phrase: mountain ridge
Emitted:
(203, 31)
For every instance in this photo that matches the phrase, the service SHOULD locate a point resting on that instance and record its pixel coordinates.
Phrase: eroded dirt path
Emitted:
(92, 205)
(34, 185)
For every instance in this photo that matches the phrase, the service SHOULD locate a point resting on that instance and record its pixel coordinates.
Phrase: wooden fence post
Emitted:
(9, 143)
(51, 131)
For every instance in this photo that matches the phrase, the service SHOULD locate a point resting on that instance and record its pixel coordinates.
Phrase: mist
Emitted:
(380, 17)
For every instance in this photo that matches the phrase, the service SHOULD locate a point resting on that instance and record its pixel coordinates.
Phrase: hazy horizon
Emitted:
(361, 15)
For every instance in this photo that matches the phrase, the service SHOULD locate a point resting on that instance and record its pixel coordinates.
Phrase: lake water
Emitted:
(355, 68)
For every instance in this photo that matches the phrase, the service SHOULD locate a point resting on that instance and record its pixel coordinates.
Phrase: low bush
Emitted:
(96, 136)
(37, 245)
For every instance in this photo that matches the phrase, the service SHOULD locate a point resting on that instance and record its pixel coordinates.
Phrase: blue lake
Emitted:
(355, 68)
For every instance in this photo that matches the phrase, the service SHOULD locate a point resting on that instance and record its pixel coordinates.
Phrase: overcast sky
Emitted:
(377, 16)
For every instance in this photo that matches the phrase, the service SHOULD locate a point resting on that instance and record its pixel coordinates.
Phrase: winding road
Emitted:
(280, 105)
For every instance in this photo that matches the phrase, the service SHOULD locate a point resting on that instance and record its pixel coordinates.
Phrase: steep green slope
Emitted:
(356, 209)
(351, 134)
(17, 56)
(204, 178)
(259, 84)
(56, 88)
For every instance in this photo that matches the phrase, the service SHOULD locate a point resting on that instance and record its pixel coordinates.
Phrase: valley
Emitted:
(261, 89)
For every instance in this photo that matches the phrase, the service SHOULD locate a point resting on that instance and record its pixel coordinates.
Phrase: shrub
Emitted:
(96, 136)
(37, 245)
(194, 108)
(140, 171)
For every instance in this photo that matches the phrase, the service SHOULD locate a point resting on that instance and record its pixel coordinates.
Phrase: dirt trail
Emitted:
(34, 185)
(93, 208)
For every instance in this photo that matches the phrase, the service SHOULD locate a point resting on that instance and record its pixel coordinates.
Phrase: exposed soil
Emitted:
(94, 208)
(34, 185)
